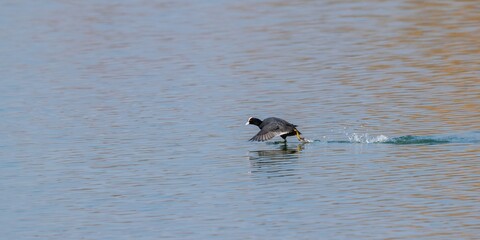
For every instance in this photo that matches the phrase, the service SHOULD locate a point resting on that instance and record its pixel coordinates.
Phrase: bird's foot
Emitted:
(299, 137)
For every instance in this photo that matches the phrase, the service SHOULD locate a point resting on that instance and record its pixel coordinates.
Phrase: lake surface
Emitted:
(125, 120)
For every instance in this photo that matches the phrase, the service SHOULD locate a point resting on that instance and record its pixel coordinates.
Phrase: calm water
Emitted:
(126, 120)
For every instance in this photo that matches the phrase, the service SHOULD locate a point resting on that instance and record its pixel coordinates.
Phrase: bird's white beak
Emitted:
(247, 123)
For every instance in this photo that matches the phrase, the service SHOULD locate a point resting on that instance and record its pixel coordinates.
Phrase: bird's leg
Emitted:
(299, 137)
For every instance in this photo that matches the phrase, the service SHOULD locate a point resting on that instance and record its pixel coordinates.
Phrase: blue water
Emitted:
(125, 120)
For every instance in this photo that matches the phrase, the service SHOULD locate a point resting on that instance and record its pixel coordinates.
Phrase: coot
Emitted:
(272, 127)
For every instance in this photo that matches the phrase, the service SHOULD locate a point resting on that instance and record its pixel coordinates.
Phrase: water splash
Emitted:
(366, 138)
(306, 140)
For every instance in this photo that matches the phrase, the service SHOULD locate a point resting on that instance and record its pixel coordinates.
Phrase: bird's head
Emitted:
(254, 121)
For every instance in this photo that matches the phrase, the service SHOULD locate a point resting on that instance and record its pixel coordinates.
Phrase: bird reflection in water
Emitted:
(276, 162)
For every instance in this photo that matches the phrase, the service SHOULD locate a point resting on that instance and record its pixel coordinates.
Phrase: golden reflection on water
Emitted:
(446, 39)
(431, 63)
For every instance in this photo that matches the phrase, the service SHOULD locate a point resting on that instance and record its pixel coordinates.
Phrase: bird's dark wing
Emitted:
(267, 133)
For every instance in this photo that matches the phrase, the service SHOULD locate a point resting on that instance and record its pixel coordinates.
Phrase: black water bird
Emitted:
(272, 127)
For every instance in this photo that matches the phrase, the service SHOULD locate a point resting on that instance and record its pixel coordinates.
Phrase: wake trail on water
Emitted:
(365, 138)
